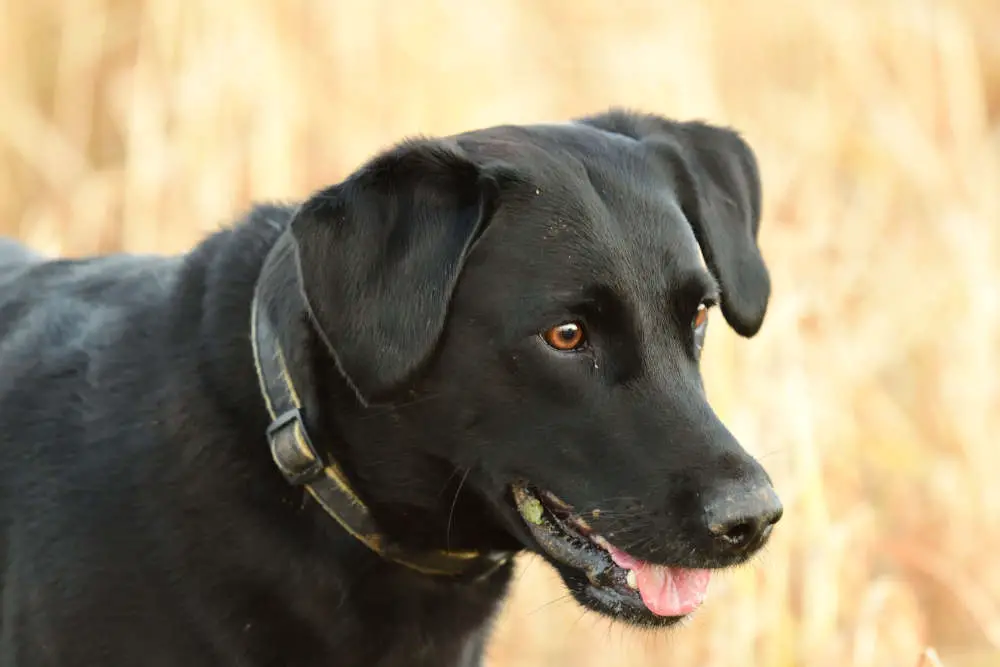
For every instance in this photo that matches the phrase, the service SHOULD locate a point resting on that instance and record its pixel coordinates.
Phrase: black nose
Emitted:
(740, 517)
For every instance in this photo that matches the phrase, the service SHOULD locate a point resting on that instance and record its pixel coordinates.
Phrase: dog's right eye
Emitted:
(567, 337)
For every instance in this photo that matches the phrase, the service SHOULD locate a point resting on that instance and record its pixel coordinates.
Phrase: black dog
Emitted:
(318, 438)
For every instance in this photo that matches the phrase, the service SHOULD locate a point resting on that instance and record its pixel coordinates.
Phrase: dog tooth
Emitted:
(556, 501)
(631, 580)
(582, 525)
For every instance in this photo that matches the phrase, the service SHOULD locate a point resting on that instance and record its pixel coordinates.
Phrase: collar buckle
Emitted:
(292, 450)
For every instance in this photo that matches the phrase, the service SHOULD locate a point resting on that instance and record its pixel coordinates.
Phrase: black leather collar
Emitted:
(300, 462)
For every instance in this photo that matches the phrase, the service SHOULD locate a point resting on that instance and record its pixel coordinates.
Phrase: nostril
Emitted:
(743, 520)
(736, 533)
(775, 516)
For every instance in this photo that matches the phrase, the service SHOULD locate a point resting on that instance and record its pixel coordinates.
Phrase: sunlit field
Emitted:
(872, 394)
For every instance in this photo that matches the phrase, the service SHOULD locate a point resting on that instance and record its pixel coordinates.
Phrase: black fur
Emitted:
(142, 520)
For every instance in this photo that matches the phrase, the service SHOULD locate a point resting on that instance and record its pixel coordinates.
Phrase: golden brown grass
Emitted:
(872, 394)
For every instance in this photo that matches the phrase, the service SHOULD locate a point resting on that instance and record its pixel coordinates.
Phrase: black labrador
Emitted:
(319, 437)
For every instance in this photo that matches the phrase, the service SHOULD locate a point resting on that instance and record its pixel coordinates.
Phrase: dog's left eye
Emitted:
(699, 325)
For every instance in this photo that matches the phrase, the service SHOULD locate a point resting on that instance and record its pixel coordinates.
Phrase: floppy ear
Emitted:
(718, 185)
(380, 253)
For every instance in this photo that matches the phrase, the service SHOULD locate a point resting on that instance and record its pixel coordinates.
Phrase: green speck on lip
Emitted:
(532, 511)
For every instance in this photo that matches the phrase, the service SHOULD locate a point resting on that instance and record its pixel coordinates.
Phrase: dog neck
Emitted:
(288, 435)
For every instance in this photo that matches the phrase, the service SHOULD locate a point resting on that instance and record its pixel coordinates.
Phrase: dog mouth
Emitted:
(616, 582)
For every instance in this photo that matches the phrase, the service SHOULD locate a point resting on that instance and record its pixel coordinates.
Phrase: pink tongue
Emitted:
(666, 591)
(671, 591)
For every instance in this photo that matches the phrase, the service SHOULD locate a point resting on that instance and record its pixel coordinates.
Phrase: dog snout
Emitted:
(739, 516)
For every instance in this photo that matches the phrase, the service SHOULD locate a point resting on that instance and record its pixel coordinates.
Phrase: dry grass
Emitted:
(872, 393)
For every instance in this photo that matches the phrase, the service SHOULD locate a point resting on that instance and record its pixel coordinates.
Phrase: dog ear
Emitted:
(718, 185)
(380, 253)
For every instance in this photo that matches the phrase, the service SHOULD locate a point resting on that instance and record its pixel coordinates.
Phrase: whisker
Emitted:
(454, 472)
(561, 598)
(531, 561)
(454, 502)
(772, 452)
(572, 626)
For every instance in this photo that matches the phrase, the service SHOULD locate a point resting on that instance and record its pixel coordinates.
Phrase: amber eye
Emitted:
(565, 337)
(699, 325)
(700, 317)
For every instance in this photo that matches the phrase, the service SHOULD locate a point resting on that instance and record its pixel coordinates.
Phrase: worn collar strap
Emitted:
(301, 464)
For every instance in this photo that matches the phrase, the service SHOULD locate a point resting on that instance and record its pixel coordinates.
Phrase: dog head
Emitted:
(520, 312)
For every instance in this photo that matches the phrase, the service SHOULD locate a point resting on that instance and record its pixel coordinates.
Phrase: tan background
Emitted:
(872, 393)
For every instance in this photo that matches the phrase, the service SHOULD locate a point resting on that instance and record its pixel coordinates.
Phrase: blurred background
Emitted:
(871, 394)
